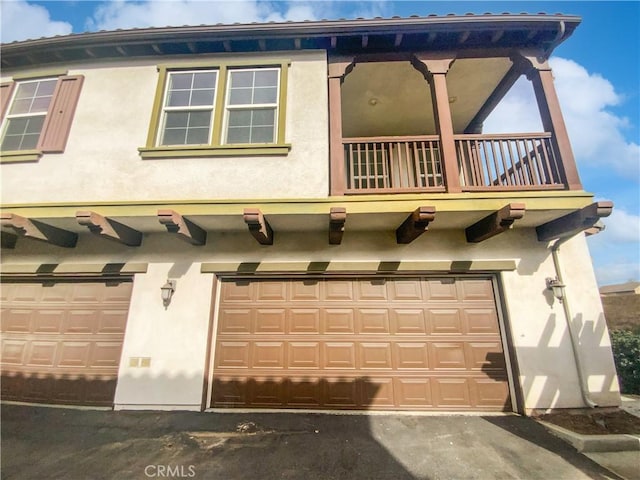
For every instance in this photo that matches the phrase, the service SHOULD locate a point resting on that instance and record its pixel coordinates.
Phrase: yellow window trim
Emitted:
(213, 151)
(20, 156)
(216, 148)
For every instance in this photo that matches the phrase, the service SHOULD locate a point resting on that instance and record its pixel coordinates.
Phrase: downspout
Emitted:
(567, 315)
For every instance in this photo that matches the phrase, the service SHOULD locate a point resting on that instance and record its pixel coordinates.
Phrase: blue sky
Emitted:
(597, 73)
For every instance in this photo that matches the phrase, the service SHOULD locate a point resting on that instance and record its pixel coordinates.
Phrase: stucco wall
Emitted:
(101, 161)
(175, 338)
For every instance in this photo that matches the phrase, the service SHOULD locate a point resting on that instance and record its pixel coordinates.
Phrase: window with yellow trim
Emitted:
(218, 110)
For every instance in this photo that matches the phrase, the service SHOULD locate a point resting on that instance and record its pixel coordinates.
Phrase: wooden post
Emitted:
(338, 69)
(434, 68)
(542, 79)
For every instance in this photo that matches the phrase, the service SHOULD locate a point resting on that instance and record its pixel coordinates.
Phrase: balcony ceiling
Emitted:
(393, 98)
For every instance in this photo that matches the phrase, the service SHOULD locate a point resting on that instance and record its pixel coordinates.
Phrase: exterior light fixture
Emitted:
(557, 287)
(167, 292)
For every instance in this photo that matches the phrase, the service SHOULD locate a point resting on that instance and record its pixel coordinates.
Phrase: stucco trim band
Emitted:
(386, 267)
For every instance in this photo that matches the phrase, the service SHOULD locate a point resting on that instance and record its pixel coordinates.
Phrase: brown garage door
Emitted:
(401, 343)
(61, 342)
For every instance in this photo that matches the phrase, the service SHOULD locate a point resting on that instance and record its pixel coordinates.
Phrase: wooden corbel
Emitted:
(8, 240)
(37, 230)
(109, 229)
(574, 222)
(182, 227)
(337, 218)
(495, 223)
(258, 226)
(415, 224)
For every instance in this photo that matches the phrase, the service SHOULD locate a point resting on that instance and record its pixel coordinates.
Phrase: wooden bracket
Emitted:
(37, 230)
(415, 224)
(258, 226)
(182, 227)
(495, 223)
(109, 229)
(574, 222)
(337, 218)
(8, 240)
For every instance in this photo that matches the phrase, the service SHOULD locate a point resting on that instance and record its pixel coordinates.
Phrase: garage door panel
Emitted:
(375, 356)
(304, 355)
(270, 320)
(445, 321)
(233, 354)
(304, 320)
(42, 353)
(270, 291)
(339, 320)
(407, 321)
(447, 355)
(62, 340)
(411, 355)
(13, 352)
(413, 392)
(268, 355)
(74, 354)
(472, 290)
(48, 321)
(373, 320)
(340, 355)
(16, 320)
(235, 321)
(381, 343)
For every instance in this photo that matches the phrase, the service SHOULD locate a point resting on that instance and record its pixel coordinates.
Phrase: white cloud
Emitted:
(21, 21)
(613, 273)
(597, 134)
(622, 227)
(123, 14)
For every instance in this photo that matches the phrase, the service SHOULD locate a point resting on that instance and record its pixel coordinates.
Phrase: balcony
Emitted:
(415, 126)
(485, 162)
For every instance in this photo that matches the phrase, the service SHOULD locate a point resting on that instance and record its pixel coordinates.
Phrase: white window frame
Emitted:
(9, 116)
(256, 106)
(166, 108)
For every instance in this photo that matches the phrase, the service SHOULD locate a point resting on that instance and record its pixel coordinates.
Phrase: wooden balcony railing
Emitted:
(508, 162)
(393, 164)
(485, 163)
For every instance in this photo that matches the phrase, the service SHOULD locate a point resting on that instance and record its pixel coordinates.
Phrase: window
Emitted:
(26, 115)
(188, 108)
(36, 116)
(252, 106)
(220, 109)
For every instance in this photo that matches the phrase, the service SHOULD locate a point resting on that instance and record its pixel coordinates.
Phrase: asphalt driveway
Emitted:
(52, 443)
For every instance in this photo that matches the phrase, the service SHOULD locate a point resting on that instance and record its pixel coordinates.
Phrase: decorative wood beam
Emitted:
(183, 227)
(464, 36)
(37, 230)
(109, 229)
(89, 52)
(512, 75)
(415, 224)
(8, 240)
(495, 223)
(398, 40)
(258, 226)
(497, 35)
(156, 48)
(574, 222)
(532, 34)
(597, 228)
(337, 219)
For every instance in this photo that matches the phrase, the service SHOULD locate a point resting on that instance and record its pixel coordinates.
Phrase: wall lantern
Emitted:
(167, 292)
(557, 287)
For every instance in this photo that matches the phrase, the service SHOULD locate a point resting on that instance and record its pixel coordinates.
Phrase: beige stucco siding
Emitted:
(102, 163)
(175, 339)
